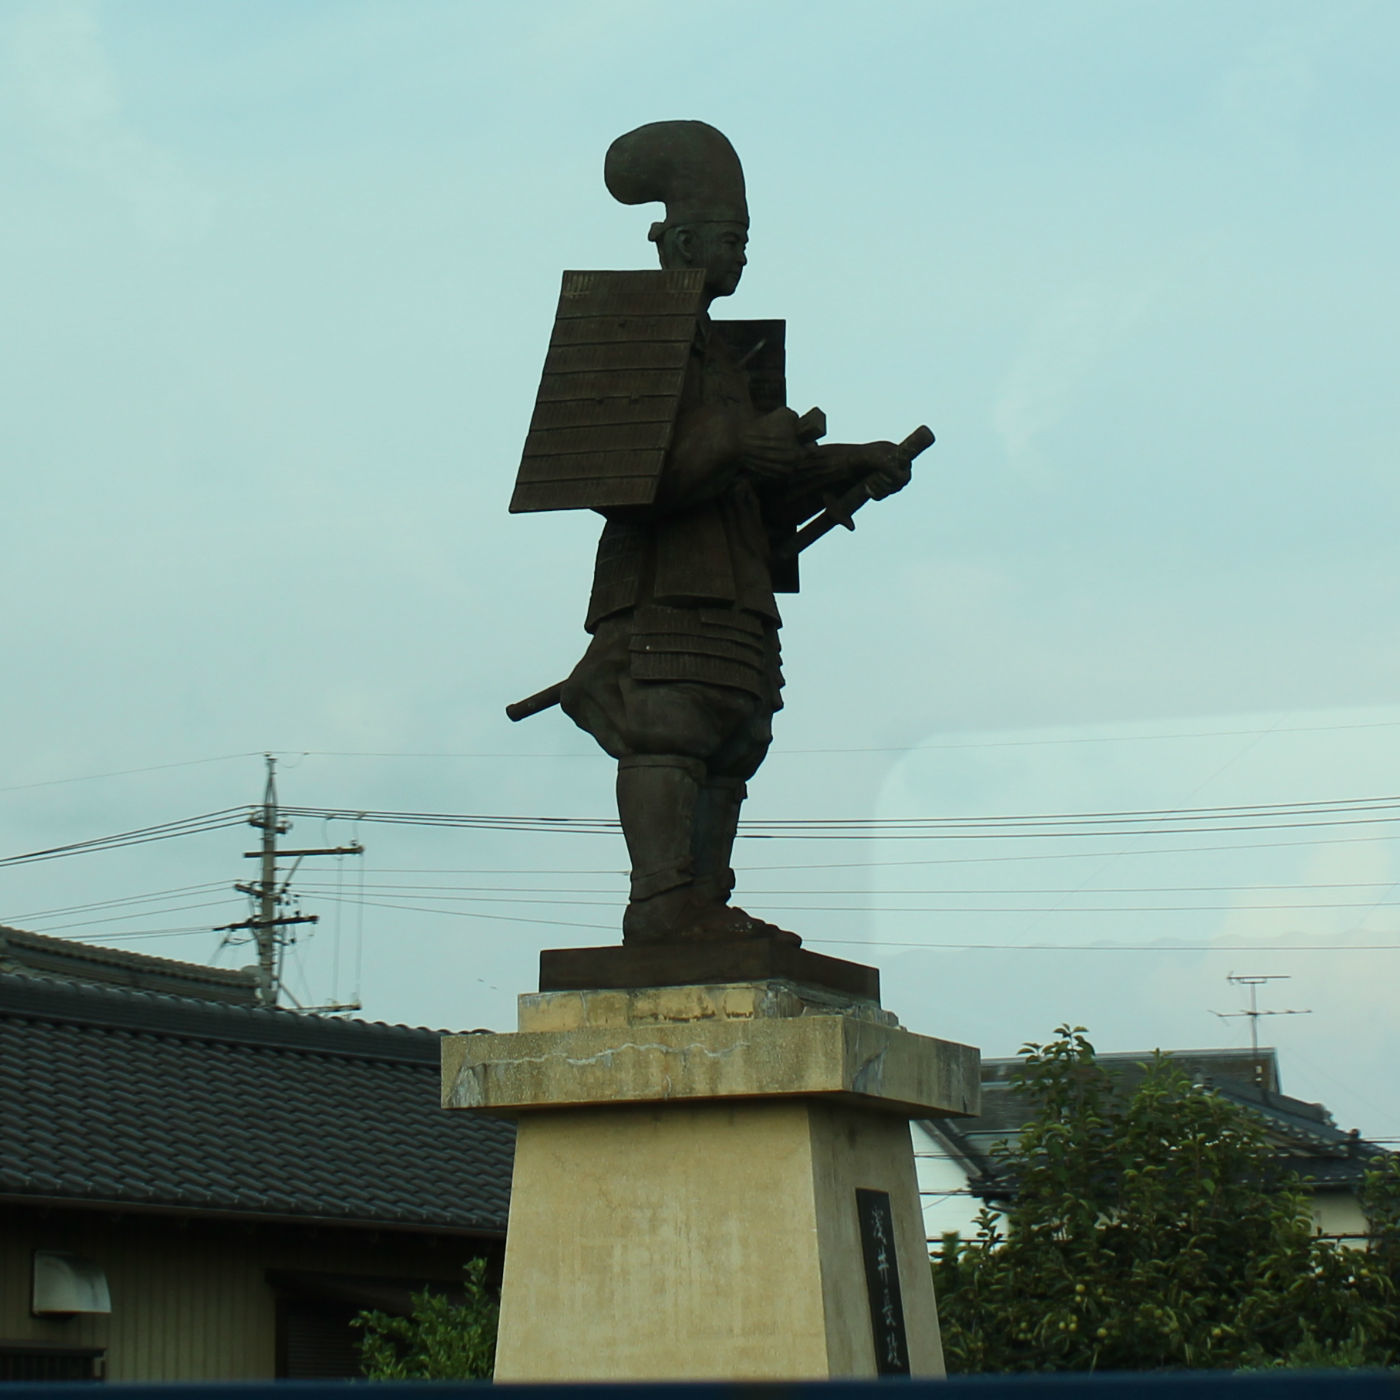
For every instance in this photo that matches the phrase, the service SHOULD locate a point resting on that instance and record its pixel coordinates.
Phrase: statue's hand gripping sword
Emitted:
(839, 510)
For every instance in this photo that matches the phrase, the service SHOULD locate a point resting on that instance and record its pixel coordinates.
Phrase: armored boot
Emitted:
(716, 824)
(656, 798)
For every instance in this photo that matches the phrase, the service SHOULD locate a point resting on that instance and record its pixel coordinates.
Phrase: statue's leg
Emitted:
(680, 827)
(656, 803)
(722, 796)
(716, 824)
(684, 752)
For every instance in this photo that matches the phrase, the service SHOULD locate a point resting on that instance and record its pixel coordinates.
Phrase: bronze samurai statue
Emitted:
(675, 427)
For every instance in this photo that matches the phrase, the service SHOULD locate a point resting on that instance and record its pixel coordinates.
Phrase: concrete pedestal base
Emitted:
(707, 1226)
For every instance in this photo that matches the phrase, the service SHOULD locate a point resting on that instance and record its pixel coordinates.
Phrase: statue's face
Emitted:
(722, 256)
(719, 249)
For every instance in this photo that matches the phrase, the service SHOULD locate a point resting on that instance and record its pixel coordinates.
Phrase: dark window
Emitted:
(315, 1341)
(37, 1363)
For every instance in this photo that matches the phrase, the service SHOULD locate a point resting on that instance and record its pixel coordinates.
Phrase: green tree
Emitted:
(1380, 1198)
(440, 1340)
(1151, 1229)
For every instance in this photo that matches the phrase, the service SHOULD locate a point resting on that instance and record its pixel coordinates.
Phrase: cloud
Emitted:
(1263, 97)
(69, 94)
(1072, 335)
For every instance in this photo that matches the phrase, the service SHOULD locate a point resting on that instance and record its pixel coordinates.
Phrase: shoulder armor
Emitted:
(610, 391)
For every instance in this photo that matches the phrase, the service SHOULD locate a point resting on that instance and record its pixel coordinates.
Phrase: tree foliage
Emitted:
(1157, 1229)
(440, 1340)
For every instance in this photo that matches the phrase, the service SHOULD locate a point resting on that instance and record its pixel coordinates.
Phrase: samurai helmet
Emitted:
(689, 166)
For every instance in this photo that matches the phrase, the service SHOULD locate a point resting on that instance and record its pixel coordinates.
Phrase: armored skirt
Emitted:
(699, 682)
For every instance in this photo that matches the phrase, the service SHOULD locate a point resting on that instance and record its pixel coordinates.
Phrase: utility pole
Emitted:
(1254, 1013)
(266, 926)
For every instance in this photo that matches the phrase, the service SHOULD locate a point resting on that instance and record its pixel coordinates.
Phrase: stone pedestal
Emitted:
(713, 1182)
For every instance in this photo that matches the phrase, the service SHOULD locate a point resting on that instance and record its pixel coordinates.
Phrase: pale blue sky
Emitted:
(277, 281)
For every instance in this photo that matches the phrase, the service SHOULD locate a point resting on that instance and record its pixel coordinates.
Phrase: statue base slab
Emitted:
(712, 1181)
(739, 960)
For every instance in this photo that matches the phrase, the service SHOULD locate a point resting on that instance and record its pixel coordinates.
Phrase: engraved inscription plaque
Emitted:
(882, 1282)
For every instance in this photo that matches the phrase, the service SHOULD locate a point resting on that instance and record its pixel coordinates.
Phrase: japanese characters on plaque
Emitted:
(882, 1282)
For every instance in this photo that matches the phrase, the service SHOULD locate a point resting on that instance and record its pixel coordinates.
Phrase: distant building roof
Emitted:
(40, 955)
(1303, 1133)
(134, 1098)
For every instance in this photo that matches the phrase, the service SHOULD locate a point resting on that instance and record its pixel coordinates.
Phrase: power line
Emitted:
(1212, 849)
(994, 890)
(113, 903)
(894, 748)
(523, 898)
(966, 835)
(122, 935)
(138, 914)
(458, 753)
(125, 772)
(1339, 812)
(1343, 804)
(1314, 806)
(472, 914)
(164, 831)
(1066, 909)
(946, 830)
(1118, 947)
(947, 947)
(609, 872)
(475, 870)
(1194, 821)
(1105, 738)
(512, 756)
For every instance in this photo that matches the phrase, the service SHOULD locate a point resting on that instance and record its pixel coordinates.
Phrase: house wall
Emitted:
(190, 1299)
(947, 1203)
(1338, 1216)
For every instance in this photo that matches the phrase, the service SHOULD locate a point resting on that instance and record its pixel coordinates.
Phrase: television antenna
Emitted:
(1254, 981)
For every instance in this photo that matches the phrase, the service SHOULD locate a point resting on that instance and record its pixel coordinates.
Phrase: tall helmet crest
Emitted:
(687, 165)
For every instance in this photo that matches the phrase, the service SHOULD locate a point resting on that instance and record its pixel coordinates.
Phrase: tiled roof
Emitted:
(1310, 1144)
(41, 955)
(172, 1103)
(1204, 1066)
